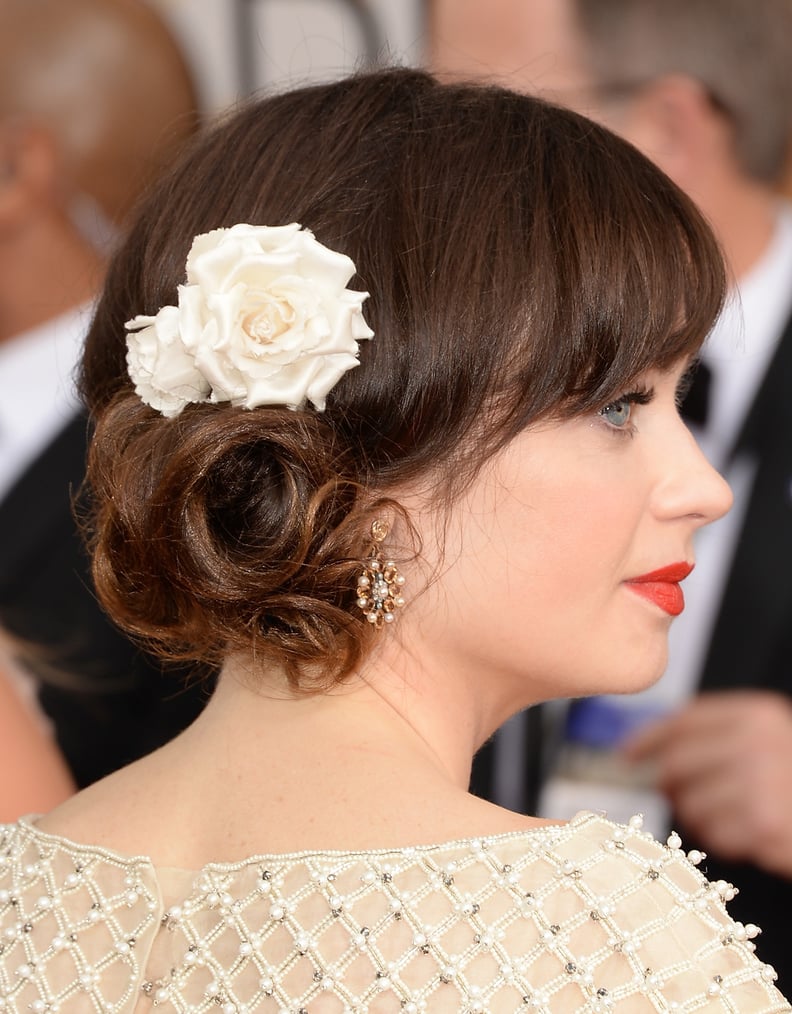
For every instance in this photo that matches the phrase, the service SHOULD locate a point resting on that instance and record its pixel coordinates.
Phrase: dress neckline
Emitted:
(546, 832)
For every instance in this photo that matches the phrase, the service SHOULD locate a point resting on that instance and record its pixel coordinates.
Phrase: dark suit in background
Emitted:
(108, 701)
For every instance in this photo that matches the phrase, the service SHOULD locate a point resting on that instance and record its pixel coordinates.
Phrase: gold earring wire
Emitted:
(379, 586)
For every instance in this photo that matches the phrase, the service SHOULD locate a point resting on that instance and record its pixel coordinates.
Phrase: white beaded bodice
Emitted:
(587, 917)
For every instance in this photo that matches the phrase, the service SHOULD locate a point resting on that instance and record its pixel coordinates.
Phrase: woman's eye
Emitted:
(617, 413)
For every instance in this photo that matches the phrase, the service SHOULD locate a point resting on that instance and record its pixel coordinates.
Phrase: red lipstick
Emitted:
(662, 587)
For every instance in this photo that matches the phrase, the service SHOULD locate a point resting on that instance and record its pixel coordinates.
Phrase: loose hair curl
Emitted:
(224, 530)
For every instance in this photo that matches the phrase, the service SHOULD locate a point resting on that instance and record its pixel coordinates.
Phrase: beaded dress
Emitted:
(586, 917)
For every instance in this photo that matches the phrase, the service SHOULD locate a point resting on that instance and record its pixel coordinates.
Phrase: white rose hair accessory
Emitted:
(264, 318)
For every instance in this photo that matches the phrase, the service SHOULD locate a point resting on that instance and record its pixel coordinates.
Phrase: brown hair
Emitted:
(522, 263)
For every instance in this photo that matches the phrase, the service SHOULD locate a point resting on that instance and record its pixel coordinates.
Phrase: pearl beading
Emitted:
(590, 917)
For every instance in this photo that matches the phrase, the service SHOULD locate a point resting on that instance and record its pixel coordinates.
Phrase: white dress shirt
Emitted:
(37, 392)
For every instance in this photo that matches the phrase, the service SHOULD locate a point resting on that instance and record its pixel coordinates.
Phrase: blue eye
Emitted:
(617, 413)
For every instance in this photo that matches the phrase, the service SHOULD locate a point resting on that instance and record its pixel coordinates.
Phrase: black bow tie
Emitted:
(695, 404)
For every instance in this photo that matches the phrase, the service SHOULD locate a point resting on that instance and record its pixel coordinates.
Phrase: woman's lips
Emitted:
(662, 587)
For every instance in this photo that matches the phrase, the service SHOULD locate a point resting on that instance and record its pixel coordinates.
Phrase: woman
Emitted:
(398, 499)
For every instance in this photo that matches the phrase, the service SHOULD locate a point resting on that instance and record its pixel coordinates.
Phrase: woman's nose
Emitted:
(692, 488)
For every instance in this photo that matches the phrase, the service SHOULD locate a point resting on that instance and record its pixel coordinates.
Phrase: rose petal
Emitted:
(265, 318)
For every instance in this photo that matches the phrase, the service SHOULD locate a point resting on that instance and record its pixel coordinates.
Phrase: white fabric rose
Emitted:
(264, 319)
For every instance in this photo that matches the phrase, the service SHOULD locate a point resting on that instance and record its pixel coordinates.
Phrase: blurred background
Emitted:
(237, 46)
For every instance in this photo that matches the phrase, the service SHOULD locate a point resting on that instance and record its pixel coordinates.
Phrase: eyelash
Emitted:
(684, 383)
(641, 396)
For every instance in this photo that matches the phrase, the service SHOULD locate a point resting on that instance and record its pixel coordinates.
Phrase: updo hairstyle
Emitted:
(523, 263)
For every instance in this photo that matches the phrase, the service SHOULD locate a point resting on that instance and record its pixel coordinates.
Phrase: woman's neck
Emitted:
(381, 761)
(412, 717)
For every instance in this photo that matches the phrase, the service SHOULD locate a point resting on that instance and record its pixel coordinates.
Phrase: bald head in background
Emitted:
(107, 81)
(95, 101)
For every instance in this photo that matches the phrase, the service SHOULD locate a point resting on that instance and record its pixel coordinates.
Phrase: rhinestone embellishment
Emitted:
(379, 586)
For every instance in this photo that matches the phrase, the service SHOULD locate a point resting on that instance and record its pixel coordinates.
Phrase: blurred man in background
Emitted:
(705, 89)
(95, 102)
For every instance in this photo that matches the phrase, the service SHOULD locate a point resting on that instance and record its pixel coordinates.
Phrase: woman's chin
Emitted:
(643, 671)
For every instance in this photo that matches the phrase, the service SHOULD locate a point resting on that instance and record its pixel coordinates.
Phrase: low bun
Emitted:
(222, 530)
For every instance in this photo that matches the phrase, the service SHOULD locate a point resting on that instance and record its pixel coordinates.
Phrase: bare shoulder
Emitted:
(481, 817)
(124, 812)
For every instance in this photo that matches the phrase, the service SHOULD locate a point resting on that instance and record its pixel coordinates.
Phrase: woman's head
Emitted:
(522, 264)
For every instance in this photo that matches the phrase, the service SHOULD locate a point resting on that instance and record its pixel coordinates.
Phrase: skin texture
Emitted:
(460, 659)
(541, 547)
(538, 47)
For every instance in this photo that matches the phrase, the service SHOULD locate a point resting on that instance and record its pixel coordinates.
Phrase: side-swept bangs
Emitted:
(527, 264)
